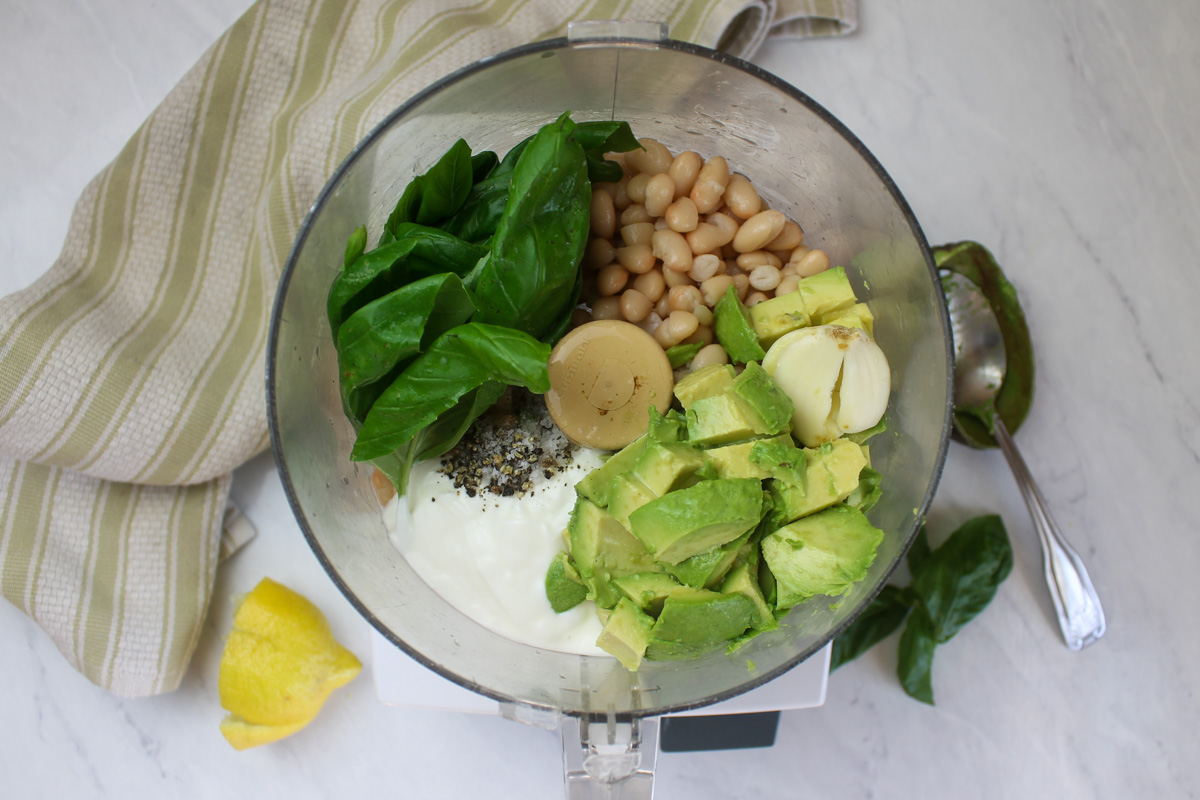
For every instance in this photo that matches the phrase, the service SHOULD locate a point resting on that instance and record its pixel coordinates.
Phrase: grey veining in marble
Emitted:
(1060, 134)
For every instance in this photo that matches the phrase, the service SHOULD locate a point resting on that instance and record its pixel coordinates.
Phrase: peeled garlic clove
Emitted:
(806, 364)
(866, 385)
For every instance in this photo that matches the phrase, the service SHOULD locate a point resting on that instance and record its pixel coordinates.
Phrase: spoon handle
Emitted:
(1079, 613)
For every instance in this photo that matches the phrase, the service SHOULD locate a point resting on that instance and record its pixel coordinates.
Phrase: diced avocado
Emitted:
(663, 466)
(683, 523)
(744, 581)
(862, 436)
(857, 316)
(669, 427)
(649, 589)
(831, 474)
(564, 586)
(868, 491)
(626, 634)
(627, 495)
(732, 326)
(733, 460)
(777, 316)
(758, 391)
(823, 553)
(705, 570)
(826, 292)
(597, 484)
(704, 382)
(601, 544)
(720, 419)
(703, 618)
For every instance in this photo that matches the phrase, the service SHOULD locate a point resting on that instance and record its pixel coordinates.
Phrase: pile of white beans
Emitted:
(673, 235)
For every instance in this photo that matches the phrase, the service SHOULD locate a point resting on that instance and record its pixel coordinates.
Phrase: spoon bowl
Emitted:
(979, 368)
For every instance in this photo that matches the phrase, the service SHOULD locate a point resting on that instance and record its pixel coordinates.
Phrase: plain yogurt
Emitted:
(487, 555)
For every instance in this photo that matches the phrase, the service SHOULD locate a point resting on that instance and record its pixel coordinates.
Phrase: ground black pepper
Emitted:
(509, 449)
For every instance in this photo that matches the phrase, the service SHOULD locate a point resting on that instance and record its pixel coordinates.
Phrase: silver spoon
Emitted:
(979, 367)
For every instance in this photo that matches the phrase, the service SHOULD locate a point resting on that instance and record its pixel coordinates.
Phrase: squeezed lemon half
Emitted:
(279, 666)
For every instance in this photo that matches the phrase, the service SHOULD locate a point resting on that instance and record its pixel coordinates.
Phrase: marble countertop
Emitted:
(1060, 134)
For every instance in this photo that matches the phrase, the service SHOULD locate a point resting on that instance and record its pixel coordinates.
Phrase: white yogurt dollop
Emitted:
(487, 555)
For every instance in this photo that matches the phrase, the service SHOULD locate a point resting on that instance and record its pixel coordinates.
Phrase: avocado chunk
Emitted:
(626, 633)
(742, 580)
(627, 495)
(704, 382)
(826, 292)
(691, 624)
(733, 460)
(705, 570)
(689, 521)
(831, 473)
(597, 484)
(603, 549)
(731, 324)
(720, 419)
(821, 554)
(648, 590)
(762, 396)
(564, 586)
(857, 316)
(664, 466)
(669, 427)
(777, 316)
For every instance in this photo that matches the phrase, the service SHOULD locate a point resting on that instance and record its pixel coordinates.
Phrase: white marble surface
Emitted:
(1059, 133)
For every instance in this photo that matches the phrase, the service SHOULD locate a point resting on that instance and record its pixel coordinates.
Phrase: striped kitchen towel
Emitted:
(131, 373)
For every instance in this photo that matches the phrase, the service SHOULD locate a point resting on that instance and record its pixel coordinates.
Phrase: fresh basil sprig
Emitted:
(474, 277)
(950, 586)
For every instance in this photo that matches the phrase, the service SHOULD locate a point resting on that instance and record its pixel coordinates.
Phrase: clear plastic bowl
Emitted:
(801, 159)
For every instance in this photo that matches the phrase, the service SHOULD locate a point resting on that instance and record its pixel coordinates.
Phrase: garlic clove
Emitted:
(806, 364)
(866, 385)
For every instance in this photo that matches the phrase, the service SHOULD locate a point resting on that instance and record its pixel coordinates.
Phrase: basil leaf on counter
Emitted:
(460, 360)
(957, 580)
(540, 239)
(386, 333)
(417, 252)
(881, 618)
(915, 662)
(950, 586)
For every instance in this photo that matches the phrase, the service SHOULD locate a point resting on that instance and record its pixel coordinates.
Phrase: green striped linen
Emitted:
(131, 373)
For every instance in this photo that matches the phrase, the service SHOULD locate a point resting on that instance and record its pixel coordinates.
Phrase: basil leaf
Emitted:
(540, 239)
(476, 221)
(958, 580)
(432, 197)
(417, 251)
(355, 245)
(482, 165)
(681, 354)
(918, 552)
(386, 332)
(600, 137)
(449, 428)
(915, 664)
(883, 616)
(460, 360)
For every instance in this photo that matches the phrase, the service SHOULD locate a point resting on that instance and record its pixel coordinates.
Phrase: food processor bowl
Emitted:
(801, 159)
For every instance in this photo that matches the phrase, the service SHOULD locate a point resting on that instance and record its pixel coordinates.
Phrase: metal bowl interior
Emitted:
(802, 160)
